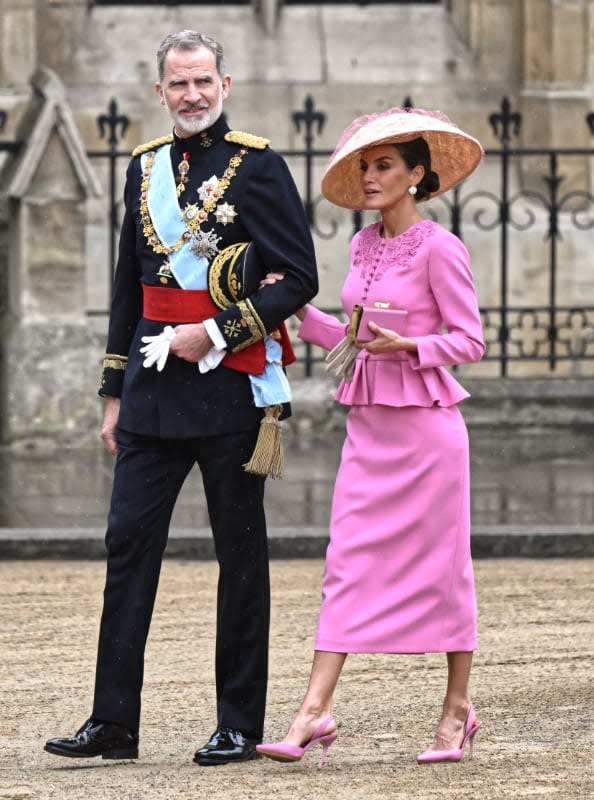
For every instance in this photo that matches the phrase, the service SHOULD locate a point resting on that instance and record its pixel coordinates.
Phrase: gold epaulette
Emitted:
(152, 145)
(247, 139)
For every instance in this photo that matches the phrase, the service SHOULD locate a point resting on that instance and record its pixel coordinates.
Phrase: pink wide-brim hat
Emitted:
(454, 153)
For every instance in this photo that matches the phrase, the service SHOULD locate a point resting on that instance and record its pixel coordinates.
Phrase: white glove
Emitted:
(157, 348)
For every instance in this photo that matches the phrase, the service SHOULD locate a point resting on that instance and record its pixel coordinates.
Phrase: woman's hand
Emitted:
(387, 341)
(271, 278)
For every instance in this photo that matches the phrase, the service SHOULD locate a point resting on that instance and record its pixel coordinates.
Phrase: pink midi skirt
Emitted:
(398, 575)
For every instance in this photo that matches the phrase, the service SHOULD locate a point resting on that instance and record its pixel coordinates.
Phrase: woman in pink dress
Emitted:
(398, 574)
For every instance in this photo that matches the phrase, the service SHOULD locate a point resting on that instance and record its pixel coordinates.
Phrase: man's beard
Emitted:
(198, 124)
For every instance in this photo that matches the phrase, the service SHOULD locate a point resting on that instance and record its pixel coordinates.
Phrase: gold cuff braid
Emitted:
(250, 317)
(114, 361)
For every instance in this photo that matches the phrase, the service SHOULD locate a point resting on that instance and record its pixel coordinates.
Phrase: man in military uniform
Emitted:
(193, 365)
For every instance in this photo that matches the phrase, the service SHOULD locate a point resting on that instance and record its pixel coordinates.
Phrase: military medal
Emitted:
(209, 190)
(165, 272)
(193, 215)
(205, 244)
(225, 214)
(181, 179)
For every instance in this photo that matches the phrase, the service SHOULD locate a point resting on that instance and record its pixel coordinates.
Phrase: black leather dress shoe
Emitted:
(226, 746)
(96, 739)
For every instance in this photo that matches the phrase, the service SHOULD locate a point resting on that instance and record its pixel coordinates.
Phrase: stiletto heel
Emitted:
(471, 727)
(326, 742)
(283, 751)
(471, 742)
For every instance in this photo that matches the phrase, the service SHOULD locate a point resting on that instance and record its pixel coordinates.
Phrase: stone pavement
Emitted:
(531, 685)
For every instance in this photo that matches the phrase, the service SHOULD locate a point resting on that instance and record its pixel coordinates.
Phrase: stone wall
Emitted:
(49, 356)
(461, 56)
(541, 407)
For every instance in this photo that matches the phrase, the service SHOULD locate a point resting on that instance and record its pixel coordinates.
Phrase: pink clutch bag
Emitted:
(394, 319)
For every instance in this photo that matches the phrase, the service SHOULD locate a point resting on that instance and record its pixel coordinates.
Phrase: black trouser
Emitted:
(149, 474)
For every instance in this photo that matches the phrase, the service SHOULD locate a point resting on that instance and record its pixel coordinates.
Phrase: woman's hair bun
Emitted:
(431, 182)
(427, 185)
(416, 151)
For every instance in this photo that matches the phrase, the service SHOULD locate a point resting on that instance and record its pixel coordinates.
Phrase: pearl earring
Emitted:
(412, 190)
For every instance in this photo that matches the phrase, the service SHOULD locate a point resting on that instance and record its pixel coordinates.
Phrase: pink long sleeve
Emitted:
(321, 329)
(426, 271)
(452, 286)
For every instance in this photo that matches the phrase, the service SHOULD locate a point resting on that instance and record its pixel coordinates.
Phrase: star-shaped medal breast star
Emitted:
(225, 213)
(209, 189)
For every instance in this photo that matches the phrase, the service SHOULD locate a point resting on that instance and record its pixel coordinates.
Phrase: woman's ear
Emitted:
(418, 173)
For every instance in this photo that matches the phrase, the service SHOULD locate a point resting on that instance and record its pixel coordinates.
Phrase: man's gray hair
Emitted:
(189, 40)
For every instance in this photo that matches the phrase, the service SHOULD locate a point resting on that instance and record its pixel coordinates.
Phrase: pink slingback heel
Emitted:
(283, 751)
(471, 726)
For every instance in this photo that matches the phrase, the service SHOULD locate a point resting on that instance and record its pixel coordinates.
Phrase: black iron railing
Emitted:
(543, 201)
(538, 210)
(109, 124)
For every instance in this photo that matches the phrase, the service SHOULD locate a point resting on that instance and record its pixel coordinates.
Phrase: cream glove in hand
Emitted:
(157, 348)
(340, 361)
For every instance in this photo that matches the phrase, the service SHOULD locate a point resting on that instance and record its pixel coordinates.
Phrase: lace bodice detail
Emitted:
(373, 256)
(426, 271)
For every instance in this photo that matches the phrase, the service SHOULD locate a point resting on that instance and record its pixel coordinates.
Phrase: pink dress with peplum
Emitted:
(398, 576)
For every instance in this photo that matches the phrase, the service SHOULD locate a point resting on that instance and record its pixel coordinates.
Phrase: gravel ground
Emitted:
(532, 687)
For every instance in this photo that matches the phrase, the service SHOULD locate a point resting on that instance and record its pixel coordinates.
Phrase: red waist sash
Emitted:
(181, 306)
(177, 305)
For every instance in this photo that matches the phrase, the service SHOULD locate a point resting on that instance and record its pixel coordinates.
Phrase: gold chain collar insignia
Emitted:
(193, 215)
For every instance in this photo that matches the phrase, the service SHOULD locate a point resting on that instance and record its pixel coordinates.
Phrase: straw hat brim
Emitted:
(454, 154)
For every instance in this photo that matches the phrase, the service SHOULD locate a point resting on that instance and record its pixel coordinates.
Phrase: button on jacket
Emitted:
(181, 402)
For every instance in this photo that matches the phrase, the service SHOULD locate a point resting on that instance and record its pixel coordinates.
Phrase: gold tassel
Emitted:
(267, 458)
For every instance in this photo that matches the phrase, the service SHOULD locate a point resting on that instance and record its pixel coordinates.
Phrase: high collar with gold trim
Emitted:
(202, 141)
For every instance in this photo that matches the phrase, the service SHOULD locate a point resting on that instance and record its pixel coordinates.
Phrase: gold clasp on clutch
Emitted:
(354, 322)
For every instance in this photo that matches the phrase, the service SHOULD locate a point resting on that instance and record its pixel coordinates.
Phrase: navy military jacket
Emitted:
(181, 402)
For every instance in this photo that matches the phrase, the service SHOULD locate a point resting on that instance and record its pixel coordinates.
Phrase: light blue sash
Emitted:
(272, 386)
(191, 271)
